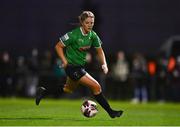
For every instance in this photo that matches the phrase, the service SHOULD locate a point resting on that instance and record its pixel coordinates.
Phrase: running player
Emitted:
(77, 42)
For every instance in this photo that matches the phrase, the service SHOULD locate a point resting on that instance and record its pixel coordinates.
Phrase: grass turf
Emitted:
(24, 112)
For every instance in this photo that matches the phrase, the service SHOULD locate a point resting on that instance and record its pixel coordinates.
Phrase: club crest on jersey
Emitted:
(80, 41)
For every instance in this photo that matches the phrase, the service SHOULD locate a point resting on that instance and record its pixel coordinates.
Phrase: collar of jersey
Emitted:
(82, 32)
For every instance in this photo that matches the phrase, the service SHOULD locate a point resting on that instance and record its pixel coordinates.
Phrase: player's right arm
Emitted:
(60, 52)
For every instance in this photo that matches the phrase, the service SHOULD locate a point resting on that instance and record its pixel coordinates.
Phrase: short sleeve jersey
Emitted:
(77, 44)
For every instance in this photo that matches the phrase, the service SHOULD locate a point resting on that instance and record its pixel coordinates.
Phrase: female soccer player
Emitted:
(76, 44)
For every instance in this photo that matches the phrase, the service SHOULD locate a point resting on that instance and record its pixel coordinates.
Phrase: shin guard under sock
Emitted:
(103, 102)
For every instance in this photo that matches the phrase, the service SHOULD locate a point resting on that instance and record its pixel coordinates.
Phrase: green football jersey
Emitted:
(77, 44)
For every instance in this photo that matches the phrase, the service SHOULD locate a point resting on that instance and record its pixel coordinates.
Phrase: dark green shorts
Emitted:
(75, 72)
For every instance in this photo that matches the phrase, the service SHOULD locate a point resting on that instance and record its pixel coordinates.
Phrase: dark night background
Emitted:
(130, 25)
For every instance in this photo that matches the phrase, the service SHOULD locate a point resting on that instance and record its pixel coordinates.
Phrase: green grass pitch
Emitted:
(61, 112)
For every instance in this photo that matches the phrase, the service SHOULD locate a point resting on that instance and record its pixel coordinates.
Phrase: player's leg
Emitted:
(90, 82)
(70, 85)
(40, 93)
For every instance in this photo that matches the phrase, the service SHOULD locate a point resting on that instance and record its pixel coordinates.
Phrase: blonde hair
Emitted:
(84, 15)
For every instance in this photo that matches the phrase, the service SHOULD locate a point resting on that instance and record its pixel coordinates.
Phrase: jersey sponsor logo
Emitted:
(84, 48)
(65, 37)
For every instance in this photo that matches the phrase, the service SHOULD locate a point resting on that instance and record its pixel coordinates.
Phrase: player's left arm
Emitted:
(102, 59)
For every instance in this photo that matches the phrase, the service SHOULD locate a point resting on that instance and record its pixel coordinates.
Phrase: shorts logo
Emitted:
(76, 75)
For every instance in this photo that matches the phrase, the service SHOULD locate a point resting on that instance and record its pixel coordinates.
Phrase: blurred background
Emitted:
(141, 40)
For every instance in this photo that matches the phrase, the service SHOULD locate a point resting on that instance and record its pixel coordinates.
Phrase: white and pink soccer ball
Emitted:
(89, 108)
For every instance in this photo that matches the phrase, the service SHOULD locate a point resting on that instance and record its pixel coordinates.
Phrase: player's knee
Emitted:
(97, 89)
(66, 89)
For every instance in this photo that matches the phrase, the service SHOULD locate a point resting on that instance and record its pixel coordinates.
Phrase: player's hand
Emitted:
(63, 65)
(105, 68)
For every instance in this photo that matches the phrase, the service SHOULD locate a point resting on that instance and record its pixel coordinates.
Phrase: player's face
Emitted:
(88, 24)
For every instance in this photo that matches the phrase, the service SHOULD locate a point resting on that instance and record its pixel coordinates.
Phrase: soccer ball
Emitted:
(89, 108)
